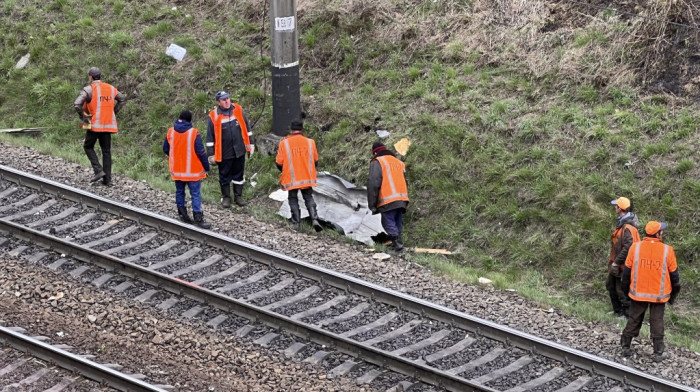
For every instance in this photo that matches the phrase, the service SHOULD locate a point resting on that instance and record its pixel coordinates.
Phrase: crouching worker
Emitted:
(188, 163)
(297, 159)
(387, 192)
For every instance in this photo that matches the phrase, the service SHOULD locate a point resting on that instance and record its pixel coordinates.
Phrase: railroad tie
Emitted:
(459, 346)
(471, 365)
(192, 312)
(266, 339)
(64, 214)
(292, 350)
(177, 259)
(145, 296)
(342, 369)
(99, 282)
(79, 271)
(404, 329)
(368, 377)
(244, 330)
(321, 308)
(306, 293)
(384, 320)
(206, 263)
(317, 358)
(519, 363)
(434, 338)
(105, 226)
(168, 303)
(66, 226)
(123, 286)
(36, 257)
(141, 241)
(216, 321)
(345, 316)
(17, 251)
(543, 379)
(65, 382)
(32, 211)
(163, 248)
(58, 263)
(264, 293)
(402, 386)
(576, 384)
(7, 192)
(20, 203)
(12, 367)
(230, 271)
(111, 238)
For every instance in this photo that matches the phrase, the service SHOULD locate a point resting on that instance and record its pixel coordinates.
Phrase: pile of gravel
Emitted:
(502, 307)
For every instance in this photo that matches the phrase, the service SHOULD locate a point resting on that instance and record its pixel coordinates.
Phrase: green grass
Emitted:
(513, 167)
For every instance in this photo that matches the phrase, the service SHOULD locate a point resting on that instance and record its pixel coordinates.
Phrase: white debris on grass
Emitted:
(177, 52)
(23, 61)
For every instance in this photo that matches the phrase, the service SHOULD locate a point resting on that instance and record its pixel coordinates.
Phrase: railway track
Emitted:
(29, 363)
(433, 344)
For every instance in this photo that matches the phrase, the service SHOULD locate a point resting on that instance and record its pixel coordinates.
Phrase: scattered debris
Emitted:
(428, 250)
(483, 280)
(177, 52)
(402, 146)
(58, 295)
(23, 61)
(550, 310)
(92, 318)
(340, 205)
(21, 130)
(383, 134)
(381, 256)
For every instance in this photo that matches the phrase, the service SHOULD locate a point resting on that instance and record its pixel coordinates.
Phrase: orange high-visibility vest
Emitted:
(101, 107)
(617, 236)
(652, 263)
(218, 119)
(297, 155)
(393, 181)
(183, 160)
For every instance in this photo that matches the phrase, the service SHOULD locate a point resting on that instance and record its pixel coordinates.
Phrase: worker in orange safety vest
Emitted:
(188, 164)
(297, 159)
(229, 138)
(651, 277)
(623, 237)
(97, 106)
(387, 192)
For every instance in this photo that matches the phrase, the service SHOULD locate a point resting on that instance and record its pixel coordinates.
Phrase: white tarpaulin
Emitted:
(341, 204)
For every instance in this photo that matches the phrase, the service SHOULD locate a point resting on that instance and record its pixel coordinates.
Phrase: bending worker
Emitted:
(652, 279)
(387, 192)
(98, 105)
(623, 237)
(229, 137)
(297, 159)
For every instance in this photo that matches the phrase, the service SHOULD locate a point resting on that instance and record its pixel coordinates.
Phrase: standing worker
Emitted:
(188, 164)
(229, 137)
(652, 279)
(623, 237)
(297, 159)
(387, 192)
(98, 105)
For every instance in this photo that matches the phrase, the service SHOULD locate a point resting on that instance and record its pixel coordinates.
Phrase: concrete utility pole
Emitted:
(286, 98)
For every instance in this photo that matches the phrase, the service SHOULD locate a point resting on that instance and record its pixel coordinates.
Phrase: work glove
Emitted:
(252, 150)
(674, 293)
(614, 270)
(211, 160)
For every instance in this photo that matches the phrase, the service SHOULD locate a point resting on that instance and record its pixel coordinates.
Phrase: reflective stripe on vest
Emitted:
(101, 106)
(660, 297)
(218, 119)
(193, 169)
(388, 177)
(293, 183)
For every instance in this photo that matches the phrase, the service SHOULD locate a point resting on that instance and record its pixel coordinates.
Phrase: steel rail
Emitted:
(567, 355)
(75, 363)
(348, 346)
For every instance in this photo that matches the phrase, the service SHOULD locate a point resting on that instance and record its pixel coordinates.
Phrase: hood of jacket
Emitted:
(182, 126)
(628, 219)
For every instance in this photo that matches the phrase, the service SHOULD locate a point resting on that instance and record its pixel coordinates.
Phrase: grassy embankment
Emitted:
(525, 123)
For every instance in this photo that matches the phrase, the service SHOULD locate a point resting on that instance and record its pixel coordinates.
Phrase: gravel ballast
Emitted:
(506, 308)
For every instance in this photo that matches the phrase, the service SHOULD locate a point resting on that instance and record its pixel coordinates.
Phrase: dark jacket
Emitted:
(182, 126)
(374, 184)
(232, 145)
(622, 247)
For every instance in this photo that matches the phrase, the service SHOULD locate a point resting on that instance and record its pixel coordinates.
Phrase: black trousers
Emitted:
(232, 170)
(656, 319)
(105, 140)
(306, 193)
(618, 297)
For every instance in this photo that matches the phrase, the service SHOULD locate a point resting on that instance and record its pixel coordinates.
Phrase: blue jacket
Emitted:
(182, 126)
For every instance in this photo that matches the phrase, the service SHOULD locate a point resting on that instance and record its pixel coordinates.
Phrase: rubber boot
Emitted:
(296, 216)
(396, 245)
(626, 343)
(311, 207)
(399, 242)
(184, 215)
(659, 348)
(238, 195)
(225, 196)
(199, 220)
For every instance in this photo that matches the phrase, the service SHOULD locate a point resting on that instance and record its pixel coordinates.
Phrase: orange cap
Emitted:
(654, 227)
(622, 202)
